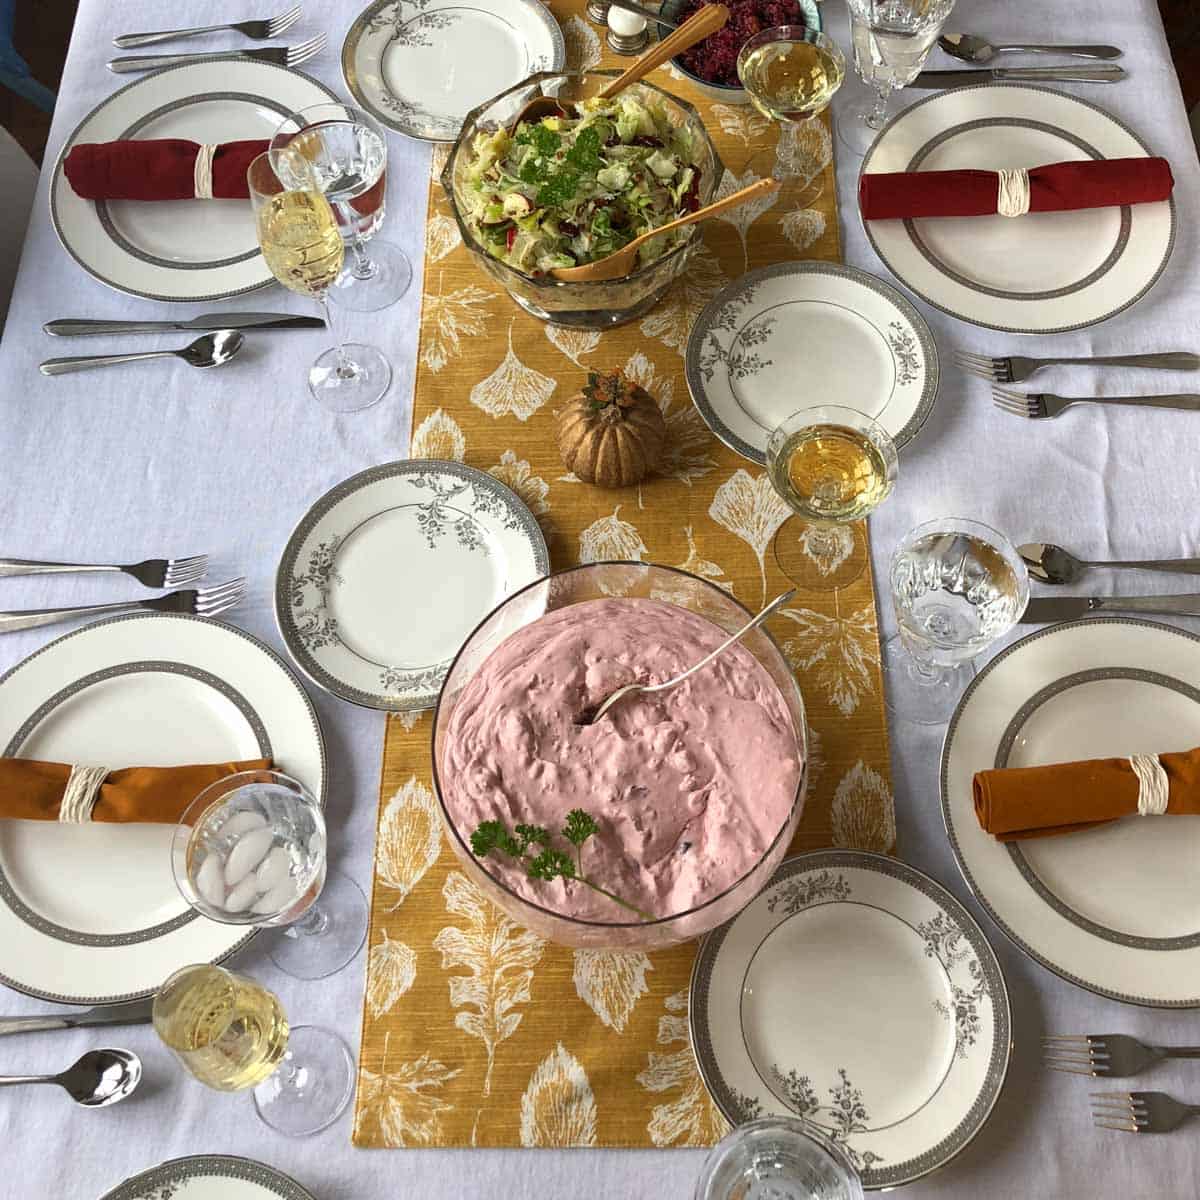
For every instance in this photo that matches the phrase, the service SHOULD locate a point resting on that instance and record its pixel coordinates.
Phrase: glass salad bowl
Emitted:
(594, 581)
(581, 305)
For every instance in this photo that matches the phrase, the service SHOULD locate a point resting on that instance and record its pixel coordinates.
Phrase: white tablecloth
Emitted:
(140, 461)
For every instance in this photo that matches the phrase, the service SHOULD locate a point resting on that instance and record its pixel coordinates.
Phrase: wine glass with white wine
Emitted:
(302, 245)
(832, 466)
(232, 1034)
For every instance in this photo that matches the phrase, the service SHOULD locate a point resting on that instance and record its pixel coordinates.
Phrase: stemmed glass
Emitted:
(790, 74)
(957, 586)
(231, 1033)
(832, 466)
(347, 151)
(250, 850)
(302, 246)
(892, 40)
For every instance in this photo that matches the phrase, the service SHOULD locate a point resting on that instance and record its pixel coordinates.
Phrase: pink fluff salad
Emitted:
(690, 787)
(715, 58)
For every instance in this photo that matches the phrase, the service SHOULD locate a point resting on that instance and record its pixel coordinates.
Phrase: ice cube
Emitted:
(209, 881)
(243, 822)
(251, 848)
(242, 896)
(279, 899)
(274, 869)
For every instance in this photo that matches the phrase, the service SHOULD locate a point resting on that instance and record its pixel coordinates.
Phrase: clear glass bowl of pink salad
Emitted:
(695, 794)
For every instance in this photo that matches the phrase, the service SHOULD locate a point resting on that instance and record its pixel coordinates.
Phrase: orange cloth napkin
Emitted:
(1026, 802)
(31, 790)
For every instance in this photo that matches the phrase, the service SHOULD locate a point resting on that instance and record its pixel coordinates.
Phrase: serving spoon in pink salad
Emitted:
(590, 717)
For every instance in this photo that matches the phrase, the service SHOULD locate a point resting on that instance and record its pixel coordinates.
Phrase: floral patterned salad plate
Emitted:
(800, 334)
(857, 994)
(388, 573)
(419, 66)
(209, 1177)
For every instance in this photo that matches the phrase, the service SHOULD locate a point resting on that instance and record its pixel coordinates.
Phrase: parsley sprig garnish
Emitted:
(557, 179)
(548, 863)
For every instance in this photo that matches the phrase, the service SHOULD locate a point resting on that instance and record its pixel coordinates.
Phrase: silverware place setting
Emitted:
(973, 49)
(1140, 1112)
(261, 30)
(281, 56)
(151, 572)
(1106, 1054)
(95, 1080)
(1052, 609)
(1014, 369)
(216, 322)
(132, 1012)
(1037, 406)
(1052, 564)
(211, 350)
(1108, 73)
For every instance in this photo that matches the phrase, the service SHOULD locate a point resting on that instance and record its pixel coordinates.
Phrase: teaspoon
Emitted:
(209, 351)
(1053, 564)
(98, 1078)
(968, 48)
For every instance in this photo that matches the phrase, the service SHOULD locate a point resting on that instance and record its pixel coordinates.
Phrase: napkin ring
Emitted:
(202, 171)
(1153, 785)
(1012, 195)
(80, 794)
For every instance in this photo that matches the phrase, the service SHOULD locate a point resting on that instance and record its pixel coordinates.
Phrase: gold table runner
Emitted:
(477, 1032)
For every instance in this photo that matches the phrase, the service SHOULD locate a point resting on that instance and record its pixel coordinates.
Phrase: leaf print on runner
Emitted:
(672, 318)
(447, 319)
(611, 539)
(401, 1104)
(409, 839)
(438, 436)
(512, 388)
(816, 758)
(864, 813)
(558, 1108)
(742, 121)
(441, 237)
(684, 593)
(574, 343)
(609, 982)
(691, 1119)
(438, 160)
(583, 46)
(742, 217)
(688, 452)
(805, 151)
(516, 473)
(391, 970)
(828, 547)
(499, 956)
(835, 652)
(803, 227)
(750, 507)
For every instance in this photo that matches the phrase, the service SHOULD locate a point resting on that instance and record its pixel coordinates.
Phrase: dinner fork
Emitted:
(283, 56)
(258, 30)
(200, 602)
(1017, 370)
(1037, 405)
(1111, 1054)
(1140, 1112)
(152, 573)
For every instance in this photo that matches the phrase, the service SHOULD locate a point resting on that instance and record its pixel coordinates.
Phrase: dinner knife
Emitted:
(1109, 73)
(1044, 609)
(132, 1012)
(76, 327)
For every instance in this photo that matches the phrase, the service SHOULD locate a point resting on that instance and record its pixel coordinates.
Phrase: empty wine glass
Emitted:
(832, 466)
(892, 40)
(347, 151)
(957, 586)
(777, 1158)
(250, 850)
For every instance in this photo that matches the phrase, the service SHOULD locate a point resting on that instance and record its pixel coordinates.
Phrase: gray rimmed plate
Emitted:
(1040, 273)
(209, 1177)
(387, 574)
(419, 66)
(1114, 909)
(856, 993)
(801, 334)
(90, 914)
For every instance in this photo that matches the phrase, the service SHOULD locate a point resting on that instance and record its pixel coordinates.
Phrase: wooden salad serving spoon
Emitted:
(622, 262)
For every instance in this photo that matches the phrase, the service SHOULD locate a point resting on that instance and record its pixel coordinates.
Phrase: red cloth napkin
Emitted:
(157, 170)
(1056, 187)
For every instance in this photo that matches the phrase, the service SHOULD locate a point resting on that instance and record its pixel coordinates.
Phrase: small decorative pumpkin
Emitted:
(613, 434)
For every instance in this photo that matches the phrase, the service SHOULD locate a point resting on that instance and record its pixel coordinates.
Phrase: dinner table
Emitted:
(149, 459)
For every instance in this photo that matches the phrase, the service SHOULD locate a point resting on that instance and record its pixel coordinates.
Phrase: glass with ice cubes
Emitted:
(250, 850)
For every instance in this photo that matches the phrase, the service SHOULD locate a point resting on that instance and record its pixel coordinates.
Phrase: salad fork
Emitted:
(152, 573)
(258, 30)
(1140, 1112)
(1017, 370)
(200, 602)
(1039, 405)
(1111, 1054)
(282, 56)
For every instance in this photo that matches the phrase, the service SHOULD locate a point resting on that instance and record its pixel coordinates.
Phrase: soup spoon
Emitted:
(98, 1078)
(209, 351)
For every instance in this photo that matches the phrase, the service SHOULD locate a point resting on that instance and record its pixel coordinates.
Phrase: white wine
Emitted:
(227, 1030)
(791, 80)
(300, 241)
(831, 473)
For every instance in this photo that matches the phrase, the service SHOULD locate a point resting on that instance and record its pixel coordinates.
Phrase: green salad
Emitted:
(569, 190)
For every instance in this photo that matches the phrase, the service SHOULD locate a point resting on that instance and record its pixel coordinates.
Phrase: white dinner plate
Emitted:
(420, 66)
(179, 249)
(800, 334)
(209, 1177)
(856, 993)
(1115, 909)
(387, 574)
(1040, 273)
(90, 914)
